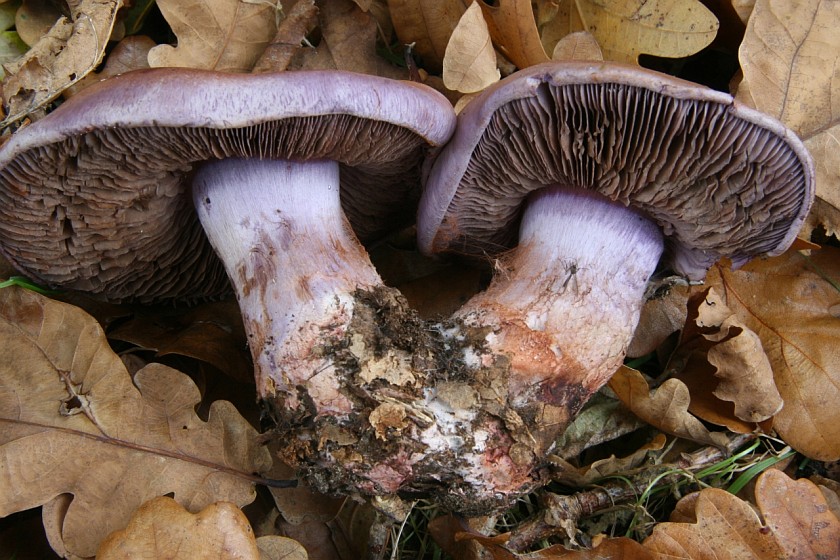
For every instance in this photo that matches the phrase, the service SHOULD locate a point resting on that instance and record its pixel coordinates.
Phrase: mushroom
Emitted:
(577, 180)
(134, 187)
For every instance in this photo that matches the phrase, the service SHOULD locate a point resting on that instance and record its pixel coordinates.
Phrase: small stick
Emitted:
(561, 513)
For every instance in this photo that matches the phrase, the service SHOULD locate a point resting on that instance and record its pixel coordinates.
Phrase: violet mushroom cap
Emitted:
(95, 196)
(131, 189)
(598, 168)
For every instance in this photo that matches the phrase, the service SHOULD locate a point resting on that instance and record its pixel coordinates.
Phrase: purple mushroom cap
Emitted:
(719, 178)
(95, 196)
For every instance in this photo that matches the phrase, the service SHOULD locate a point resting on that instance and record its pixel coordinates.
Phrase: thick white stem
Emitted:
(295, 264)
(565, 306)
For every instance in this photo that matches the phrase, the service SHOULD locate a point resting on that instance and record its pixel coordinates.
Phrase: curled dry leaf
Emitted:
(514, 31)
(73, 47)
(789, 57)
(662, 315)
(74, 423)
(348, 42)
(665, 408)
(299, 20)
(787, 301)
(211, 332)
(427, 24)
(625, 29)
(223, 35)
(470, 61)
(132, 53)
(715, 524)
(719, 354)
(602, 419)
(568, 474)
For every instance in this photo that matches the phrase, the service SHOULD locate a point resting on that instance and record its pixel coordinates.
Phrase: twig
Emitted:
(561, 513)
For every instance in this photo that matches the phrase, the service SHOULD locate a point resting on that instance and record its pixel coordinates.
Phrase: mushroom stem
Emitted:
(565, 304)
(295, 264)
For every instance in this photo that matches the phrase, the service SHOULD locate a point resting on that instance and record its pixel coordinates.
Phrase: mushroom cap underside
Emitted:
(95, 196)
(720, 179)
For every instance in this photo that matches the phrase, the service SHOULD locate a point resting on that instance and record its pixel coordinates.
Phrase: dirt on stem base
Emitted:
(432, 414)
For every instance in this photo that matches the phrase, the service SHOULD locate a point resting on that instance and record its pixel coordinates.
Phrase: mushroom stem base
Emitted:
(295, 264)
(565, 304)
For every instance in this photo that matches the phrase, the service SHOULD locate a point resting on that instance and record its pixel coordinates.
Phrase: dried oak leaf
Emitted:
(348, 42)
(74, 423)
(300, 18)
(620, 548)
(603, 418)
(72, 48)
(627, 28)
(222, 35)
(797, 523)
(162, 529)
(427, 24)
(665, 408)
(132, 53)
(470, 61)
(662, 315)
(787, 301)
(570, 475)
(789, 57)
(211, 332)
(580, 45)
(719, 357)
(514, 31)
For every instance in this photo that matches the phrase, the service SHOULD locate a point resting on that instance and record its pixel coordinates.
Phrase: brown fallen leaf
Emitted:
(348, 42)
(132, 53)
(798, 515)
(457, 537)
(427, 24)
(161, 528)
(74, 422)
(223, 35)
(743, 8)
(580, 45)
(555, 20)
(470, 61)
(787, 301)
(73, 47)
(719, 355)
(715, 524)
(665, 408)
(566, 473)
(514, 31)
(662, 315)
(602, 419)
(210, 332)
(300, 19)
(619, 548)
(788, 57)
(280, 548)
(626, 28)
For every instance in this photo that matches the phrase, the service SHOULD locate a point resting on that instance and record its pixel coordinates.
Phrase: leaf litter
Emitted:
(781, 311)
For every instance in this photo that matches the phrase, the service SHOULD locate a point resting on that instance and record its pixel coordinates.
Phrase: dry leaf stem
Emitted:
(560, 513)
